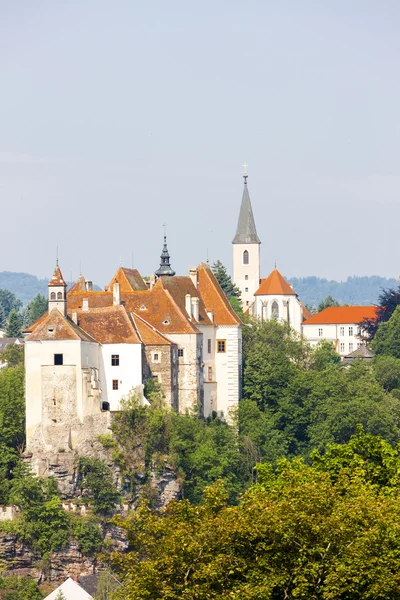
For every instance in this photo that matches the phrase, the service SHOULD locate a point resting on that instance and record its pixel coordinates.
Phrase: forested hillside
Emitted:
(355, 290)
(25, 286)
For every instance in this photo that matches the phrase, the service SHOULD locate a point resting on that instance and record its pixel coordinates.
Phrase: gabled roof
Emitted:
(149, 334)
(246, 232)
(362, 352)
(214, 298)
(275, 285)
(57, 279)
(342, 315)
(79, 285)
(306, 313)
(71, 591)
(56, 327)
(129, 280)
(110, 325)
(178, 286)
(30, 328)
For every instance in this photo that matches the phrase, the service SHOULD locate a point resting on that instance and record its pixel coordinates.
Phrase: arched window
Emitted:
(245, 257)
(59, 295)
(52, 296)
(275, 310)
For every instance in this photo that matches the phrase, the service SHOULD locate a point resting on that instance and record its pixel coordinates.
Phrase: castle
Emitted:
(93, 348)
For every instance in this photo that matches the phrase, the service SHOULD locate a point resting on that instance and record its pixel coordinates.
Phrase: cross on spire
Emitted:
(245, 165)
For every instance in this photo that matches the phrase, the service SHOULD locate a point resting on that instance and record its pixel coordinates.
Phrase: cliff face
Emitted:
(18, 559)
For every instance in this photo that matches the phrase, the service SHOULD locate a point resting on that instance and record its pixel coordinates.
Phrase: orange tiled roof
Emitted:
(342, 315)
(57, 327)
(30, 328)
(214, 298)
(110, 325)
(130, 280)
(275, 285)
(306, 313)
(149, 334)
(57, 278)
(96, 299)
(178, 287)
(79, 285)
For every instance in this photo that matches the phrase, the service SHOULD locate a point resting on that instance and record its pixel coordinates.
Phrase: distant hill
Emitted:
(355, 290)
(311, 290)
(25, 286)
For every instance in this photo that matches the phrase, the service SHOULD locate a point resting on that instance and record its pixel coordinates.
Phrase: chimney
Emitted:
(116, 294)
(152, 280)
(193, 276)
(89, 286)
(210, 315)
(75, 316)
(188, 305)
(195, 308)
(85, 305)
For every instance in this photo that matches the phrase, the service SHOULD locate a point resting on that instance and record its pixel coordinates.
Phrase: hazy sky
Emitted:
(118, 116)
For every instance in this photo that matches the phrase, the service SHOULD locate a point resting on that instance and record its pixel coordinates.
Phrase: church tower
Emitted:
(58, 292)
(246, 250)
(165, 263)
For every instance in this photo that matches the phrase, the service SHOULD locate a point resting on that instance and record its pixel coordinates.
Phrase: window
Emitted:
(209, 346)
(351, 331)
(358, 331)
(115, 360)
(245, 257)
(342, 347)
(246, 277)
(350, 347)
(52, 296)
(155, 357)
(275, 310)
(320, 332)
(58, 359)
(246, 289)
(247, 302)
(209, 373)
(155, 378)
(358, 344)
(221, 345)
(59, 295)
(180, 352)
(115, 384)
(342, 331)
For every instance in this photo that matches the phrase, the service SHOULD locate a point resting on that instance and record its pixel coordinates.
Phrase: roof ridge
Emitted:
(152, 327)
(221, 293)
(180, 312)
(136, 328)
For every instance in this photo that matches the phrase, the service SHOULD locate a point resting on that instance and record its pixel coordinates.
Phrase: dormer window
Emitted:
(166, 322)
(246, 257)
(142, 307)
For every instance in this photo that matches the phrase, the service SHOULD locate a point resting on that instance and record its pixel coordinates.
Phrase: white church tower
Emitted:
(246, 250)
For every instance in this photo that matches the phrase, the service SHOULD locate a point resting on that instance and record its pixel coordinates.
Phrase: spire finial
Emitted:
(245, 176)
(275, 263)
(165, 231)
(57, 256)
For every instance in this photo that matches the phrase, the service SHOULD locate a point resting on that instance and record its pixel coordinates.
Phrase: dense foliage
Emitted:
(319, 531)
(231, 290)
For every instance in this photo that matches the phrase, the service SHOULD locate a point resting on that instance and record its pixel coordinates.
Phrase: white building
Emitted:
(71, 590)
(339, 325)
(269, 298)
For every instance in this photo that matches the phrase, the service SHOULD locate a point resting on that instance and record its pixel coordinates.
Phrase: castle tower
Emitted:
(246, 251)
(58, 292)
(165, 264)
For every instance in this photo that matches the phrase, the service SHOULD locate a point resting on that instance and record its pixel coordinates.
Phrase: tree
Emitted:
(35, 309)
(388, 302)
(225, 280)
(303, 531)
(3, 317)
(107, 583)
(97, 478)
(9, 302)
(14, 325)
(329, 301)
(386, 370)
(60, 596)
(13, 355)
(387, 336)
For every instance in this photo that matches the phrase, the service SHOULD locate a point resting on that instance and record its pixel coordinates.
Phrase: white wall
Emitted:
(289, 306)
(252, 271)
(128, 373)
(228, 368)
(344, 337)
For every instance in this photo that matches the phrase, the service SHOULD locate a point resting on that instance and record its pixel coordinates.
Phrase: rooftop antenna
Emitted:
(80, 268)
(275, 263)
(245, 176)
(57, 256)
(207, 260)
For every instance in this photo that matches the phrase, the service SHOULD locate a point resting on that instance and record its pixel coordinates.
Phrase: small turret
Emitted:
(165, 265)
(58, 292)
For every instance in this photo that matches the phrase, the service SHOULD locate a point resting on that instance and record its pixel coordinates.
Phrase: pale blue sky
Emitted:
(117, 116)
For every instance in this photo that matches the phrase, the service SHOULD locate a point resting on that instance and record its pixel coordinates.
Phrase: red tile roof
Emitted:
(110, 325)
(178, 287)
(342, 315)
(275, 285)
(57, 278)
(130, 280)
(149, 334)
(57, 327)
(214, 298)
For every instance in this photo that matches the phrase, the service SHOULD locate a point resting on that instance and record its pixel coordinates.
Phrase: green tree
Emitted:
(60, 596)
(96, 476)
(329, 301)
(89, 535)
(107, 584)
(3, 317)
(387, 337)
(386, 370)
(231, 290)
(35, 309)
(9, 302)
(389, 300)
(14, 325)
(13, 355)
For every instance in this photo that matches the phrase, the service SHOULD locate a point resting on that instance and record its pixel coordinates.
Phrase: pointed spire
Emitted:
(165, 265)
(246, 232)
(57, 279)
